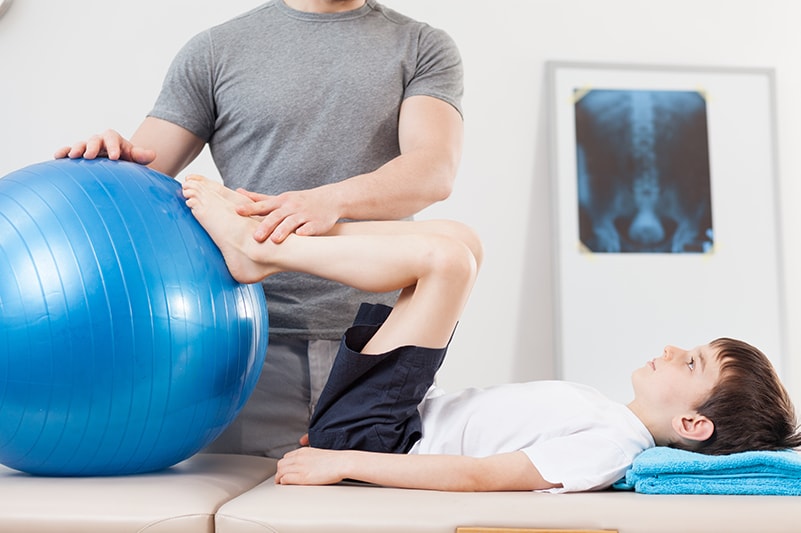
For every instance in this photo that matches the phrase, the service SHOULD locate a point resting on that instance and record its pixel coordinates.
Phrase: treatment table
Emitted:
(236, 494)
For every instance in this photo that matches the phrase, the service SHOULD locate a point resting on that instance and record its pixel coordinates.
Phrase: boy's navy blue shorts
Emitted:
(370, 401)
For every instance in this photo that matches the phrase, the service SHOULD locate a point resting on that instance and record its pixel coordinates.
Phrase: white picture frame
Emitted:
(4, 5)
(629, 276)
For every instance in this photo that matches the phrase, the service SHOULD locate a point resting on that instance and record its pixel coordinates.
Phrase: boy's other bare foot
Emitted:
(214, 206)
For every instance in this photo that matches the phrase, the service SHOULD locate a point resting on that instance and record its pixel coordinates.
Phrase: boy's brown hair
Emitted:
(749, 406)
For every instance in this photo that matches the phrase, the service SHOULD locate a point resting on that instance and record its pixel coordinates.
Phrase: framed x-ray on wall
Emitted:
(665, 215)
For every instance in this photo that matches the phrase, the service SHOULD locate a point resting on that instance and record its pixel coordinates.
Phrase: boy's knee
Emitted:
(453, 259)
(468, 236)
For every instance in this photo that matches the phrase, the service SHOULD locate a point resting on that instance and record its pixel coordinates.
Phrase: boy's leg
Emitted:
(447, 228)
(386, 364)
(433, 266)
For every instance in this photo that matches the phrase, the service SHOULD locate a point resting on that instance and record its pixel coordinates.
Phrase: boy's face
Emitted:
(676, 383)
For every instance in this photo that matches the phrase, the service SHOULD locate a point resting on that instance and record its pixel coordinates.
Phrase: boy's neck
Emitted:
(685, 430)
(656, 430)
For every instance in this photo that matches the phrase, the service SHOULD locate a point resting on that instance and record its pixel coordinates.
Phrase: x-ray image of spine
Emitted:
(643, 171)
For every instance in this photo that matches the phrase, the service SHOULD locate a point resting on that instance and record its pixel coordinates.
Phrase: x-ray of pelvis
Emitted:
(643, 171)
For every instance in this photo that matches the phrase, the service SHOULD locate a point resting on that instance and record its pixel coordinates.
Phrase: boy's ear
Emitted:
(695, 427)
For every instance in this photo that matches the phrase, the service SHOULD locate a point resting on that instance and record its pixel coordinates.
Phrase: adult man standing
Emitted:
(324, 110)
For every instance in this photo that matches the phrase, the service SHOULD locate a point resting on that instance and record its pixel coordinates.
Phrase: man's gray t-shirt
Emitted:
(289, 100)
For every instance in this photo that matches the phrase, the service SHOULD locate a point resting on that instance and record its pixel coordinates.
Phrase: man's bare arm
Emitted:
(160, 144)
(430, 136)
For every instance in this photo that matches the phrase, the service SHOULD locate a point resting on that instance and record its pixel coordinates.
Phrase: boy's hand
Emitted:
(311, 466)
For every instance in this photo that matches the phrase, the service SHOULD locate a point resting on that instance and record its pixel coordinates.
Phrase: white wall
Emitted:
(74, 68)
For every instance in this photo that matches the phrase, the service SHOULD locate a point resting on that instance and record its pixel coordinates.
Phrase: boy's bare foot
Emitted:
(232, 196)
(214, 206)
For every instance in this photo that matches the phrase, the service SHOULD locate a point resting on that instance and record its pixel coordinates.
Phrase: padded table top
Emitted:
(182, 499)
(367, 509)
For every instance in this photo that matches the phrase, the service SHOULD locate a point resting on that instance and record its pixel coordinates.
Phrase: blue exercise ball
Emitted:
(125, 344)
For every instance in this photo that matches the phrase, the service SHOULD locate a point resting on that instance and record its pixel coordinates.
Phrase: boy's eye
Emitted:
(691, 364)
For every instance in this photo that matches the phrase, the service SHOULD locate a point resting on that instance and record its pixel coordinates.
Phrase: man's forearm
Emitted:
(430, 135)
(399, 189)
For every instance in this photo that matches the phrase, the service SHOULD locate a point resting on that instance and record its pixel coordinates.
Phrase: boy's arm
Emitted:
(507, 471)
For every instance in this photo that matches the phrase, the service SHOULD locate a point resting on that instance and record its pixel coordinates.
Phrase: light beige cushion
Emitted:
(369, 509)
(182, 499)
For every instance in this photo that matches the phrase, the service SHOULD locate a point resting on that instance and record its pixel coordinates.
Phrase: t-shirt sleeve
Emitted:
(579, 462)
(439, 71)
(186, 96)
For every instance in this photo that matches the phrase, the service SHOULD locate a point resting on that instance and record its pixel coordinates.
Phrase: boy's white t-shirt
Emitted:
(573, 434)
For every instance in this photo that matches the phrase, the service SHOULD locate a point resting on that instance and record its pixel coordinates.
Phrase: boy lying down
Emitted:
(379, 419)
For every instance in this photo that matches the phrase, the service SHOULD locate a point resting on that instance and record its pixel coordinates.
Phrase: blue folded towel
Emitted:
(663, 470)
